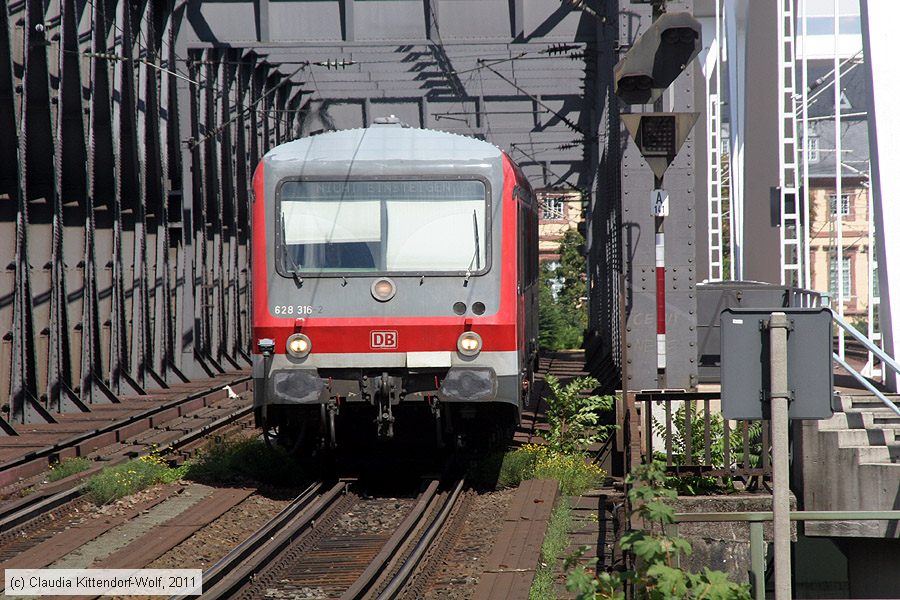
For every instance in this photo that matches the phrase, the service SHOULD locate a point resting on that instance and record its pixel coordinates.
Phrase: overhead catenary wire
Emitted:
(560, 116)
(545, 166)
(118, 57)
(143, 48)
(220, 127)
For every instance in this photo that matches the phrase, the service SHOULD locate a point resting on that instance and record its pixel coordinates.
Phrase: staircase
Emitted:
(852, 462)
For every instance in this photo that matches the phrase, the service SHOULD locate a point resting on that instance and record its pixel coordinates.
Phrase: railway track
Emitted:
(35, 517)
(312, 549)
(135, 425)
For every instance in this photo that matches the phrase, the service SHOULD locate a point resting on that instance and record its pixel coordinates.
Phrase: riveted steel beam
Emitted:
(127, 214)
(36, 179)
(100, 185)
(68, 196)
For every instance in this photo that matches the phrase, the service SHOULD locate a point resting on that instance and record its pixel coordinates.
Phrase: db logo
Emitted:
(383, 339)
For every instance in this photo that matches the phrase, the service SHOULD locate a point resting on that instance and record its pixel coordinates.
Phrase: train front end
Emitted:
(385, 284)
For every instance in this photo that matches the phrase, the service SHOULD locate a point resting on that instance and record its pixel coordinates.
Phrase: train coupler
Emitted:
(435, 405)
(385, 417)
(385, 420)
(329, 414)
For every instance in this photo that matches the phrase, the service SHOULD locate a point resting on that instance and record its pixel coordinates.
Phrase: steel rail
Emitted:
(41, 505)
(199, 433)
(49, 451)
(865, 383)
(403, 576)
(36, 505)
(367, 581)
(238, 568)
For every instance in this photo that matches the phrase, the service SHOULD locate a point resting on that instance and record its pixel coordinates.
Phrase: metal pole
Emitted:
(872, 326)
(758, 561)
(807, 213)
(659, 227)
(659, 8)
(838, 176)
(780, 396)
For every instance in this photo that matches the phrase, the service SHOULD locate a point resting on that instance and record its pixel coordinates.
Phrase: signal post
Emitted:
(652, 64)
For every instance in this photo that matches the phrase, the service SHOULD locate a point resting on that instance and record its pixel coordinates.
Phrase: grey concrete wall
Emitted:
(724, 546)
(845, 475)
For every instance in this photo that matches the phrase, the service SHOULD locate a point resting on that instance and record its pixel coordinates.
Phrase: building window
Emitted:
(845, 204)
(876, 286)
(812, 149)
(845, 274)
(824, 25)
(553, 209)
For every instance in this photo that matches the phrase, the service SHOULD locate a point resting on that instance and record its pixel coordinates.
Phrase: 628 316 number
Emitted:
(299, 309)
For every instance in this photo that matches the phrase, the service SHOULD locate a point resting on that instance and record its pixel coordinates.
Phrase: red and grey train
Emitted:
(394, 270)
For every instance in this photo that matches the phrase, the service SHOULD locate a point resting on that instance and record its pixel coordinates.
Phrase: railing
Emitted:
(757, 540)
(883, 356)
(690, 435)
(698, 440)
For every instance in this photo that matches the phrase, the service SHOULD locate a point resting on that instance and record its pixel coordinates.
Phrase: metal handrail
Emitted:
(870, 346)
(883, 356)
(866, 383)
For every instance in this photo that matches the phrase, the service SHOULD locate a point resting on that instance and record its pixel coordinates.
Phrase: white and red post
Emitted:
(660, 201)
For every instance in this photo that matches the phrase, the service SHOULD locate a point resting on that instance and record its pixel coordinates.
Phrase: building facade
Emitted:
(839, 220)
(560, 211)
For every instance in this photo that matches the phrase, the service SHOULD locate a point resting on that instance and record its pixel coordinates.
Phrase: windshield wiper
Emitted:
(290, 257)
(477, 258)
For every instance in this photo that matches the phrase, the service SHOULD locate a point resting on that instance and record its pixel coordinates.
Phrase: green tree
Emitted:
(571, 273)
(555, 331)
(563, 315)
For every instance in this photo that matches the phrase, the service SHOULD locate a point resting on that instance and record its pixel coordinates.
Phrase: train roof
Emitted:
(382, 144)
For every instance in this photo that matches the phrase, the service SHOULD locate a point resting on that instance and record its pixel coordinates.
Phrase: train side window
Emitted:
(523, 244)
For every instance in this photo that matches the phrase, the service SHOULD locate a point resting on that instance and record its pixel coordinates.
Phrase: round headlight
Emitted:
(383, 289)
(298, 345)
(469, 343)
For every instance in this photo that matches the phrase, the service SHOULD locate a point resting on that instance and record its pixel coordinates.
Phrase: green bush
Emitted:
(574, 418)
(517, 466)
(562, 317)
(68, 466)
(693, 485)
(123, 480)
(237, 460)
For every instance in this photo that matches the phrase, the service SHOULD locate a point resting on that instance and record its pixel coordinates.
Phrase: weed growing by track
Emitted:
(123, 480)
(573, 470)
(656, 572)
(224, 462)
(555, 542)
(236, 461)
(575, 421)
(68, 466)
(574, 417)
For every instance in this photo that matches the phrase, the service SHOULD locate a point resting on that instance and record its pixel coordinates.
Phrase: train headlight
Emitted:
(383, 289)
(469, 343)
(298, 345)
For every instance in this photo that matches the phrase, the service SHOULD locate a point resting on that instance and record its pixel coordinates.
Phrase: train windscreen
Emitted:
(384, 226)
